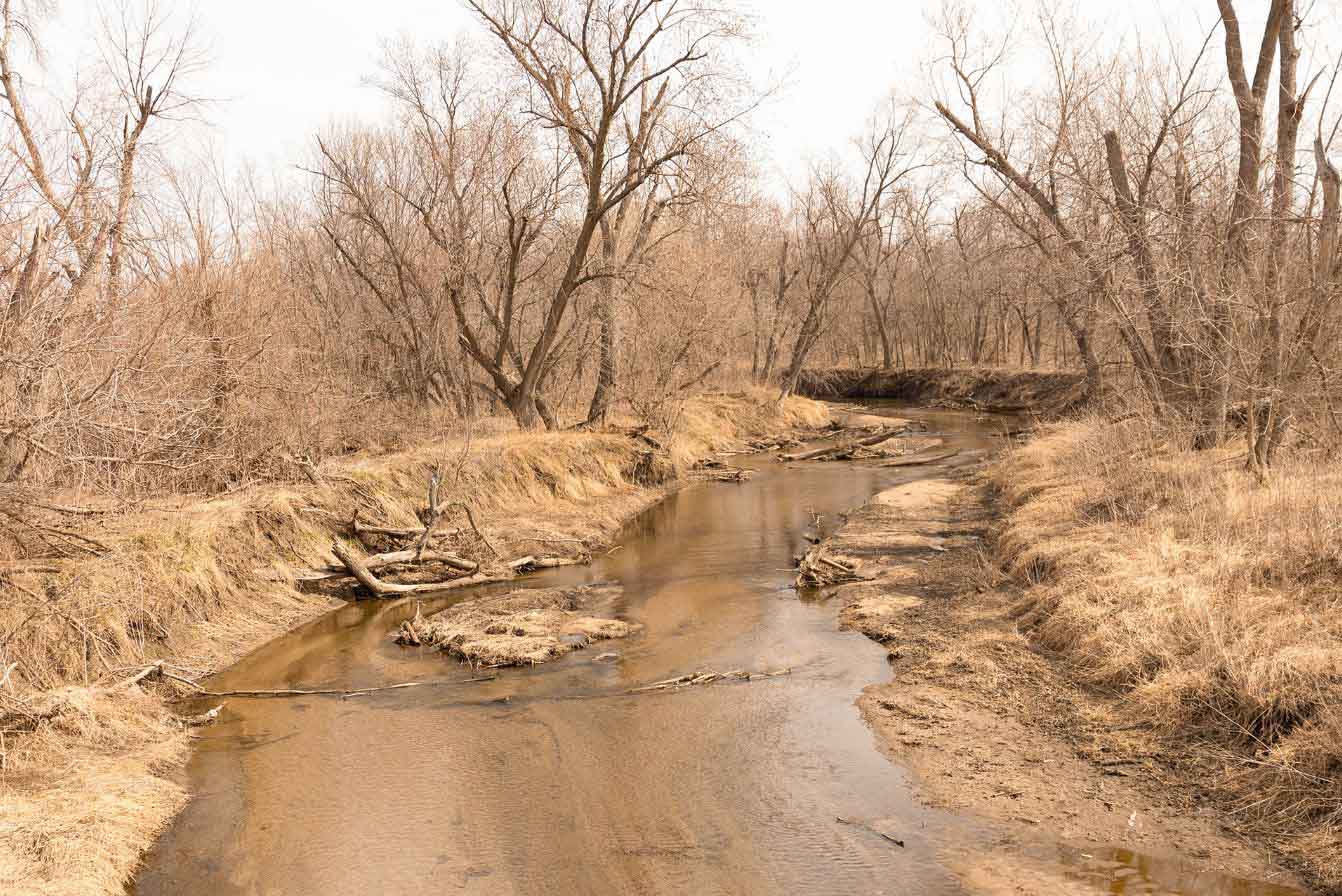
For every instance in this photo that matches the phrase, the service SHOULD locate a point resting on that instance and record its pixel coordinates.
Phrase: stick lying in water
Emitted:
(914, 460)
(858, 823)
(884, 435)
(325, 692)
(698, 678)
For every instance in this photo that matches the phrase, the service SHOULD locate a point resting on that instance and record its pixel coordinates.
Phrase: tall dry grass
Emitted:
(1210, 601)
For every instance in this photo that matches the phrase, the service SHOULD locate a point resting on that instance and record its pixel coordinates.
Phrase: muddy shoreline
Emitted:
(992, 728)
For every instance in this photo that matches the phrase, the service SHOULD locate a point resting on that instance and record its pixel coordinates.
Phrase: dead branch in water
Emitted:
(701, 678)
(374, 561)
(914, 460)
(817, 453)
(817, 570)
(334, 692)
(730, 474)
(360, 570)
(859, 823)
(380, 588)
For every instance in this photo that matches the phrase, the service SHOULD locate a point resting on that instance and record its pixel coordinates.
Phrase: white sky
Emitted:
(281, 69)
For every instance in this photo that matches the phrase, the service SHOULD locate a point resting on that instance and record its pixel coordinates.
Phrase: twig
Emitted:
(857, 823)
(701, 678)
(335, 692)
(470, 517)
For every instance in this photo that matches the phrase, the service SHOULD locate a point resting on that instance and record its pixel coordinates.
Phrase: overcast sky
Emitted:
(281, 69)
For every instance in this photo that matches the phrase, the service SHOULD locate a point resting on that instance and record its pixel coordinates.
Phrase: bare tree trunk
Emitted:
(1249, 99)
(1267, 391)
(608, 342)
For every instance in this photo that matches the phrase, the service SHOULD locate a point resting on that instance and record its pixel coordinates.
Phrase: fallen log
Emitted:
(150, 670)
(914, 460)
(377, 561)
(884, 435)
(379, 588)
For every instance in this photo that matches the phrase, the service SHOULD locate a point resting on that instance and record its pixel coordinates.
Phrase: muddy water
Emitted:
(554, 780)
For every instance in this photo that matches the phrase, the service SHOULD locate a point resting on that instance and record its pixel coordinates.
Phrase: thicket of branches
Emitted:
(564, 219)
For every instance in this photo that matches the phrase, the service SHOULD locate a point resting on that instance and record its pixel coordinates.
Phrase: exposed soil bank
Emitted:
(90, 776)
(993, 728)
(1043, 393)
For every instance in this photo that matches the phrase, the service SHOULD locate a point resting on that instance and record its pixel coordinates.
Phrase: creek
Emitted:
(553, 779)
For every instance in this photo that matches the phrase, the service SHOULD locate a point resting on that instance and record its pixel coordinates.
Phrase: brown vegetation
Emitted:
(1208, 599)
(524, 627)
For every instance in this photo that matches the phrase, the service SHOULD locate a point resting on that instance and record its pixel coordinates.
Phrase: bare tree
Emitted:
(1040, 184)
(69, 351)
(835, 215)
(602, 77)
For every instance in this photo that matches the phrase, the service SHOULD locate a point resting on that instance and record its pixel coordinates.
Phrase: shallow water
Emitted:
(573, 786)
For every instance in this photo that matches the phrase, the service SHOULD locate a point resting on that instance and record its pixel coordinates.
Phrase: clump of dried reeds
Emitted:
(520, 628)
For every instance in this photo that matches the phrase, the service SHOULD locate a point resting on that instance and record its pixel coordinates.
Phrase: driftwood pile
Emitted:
(417, 554)
(772, 444)
(819, 570)
(856, 449)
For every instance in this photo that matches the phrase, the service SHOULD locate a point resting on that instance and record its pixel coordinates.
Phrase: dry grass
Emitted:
(1209, 601)
(188, 582)
(521, 628)
(85, 793)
